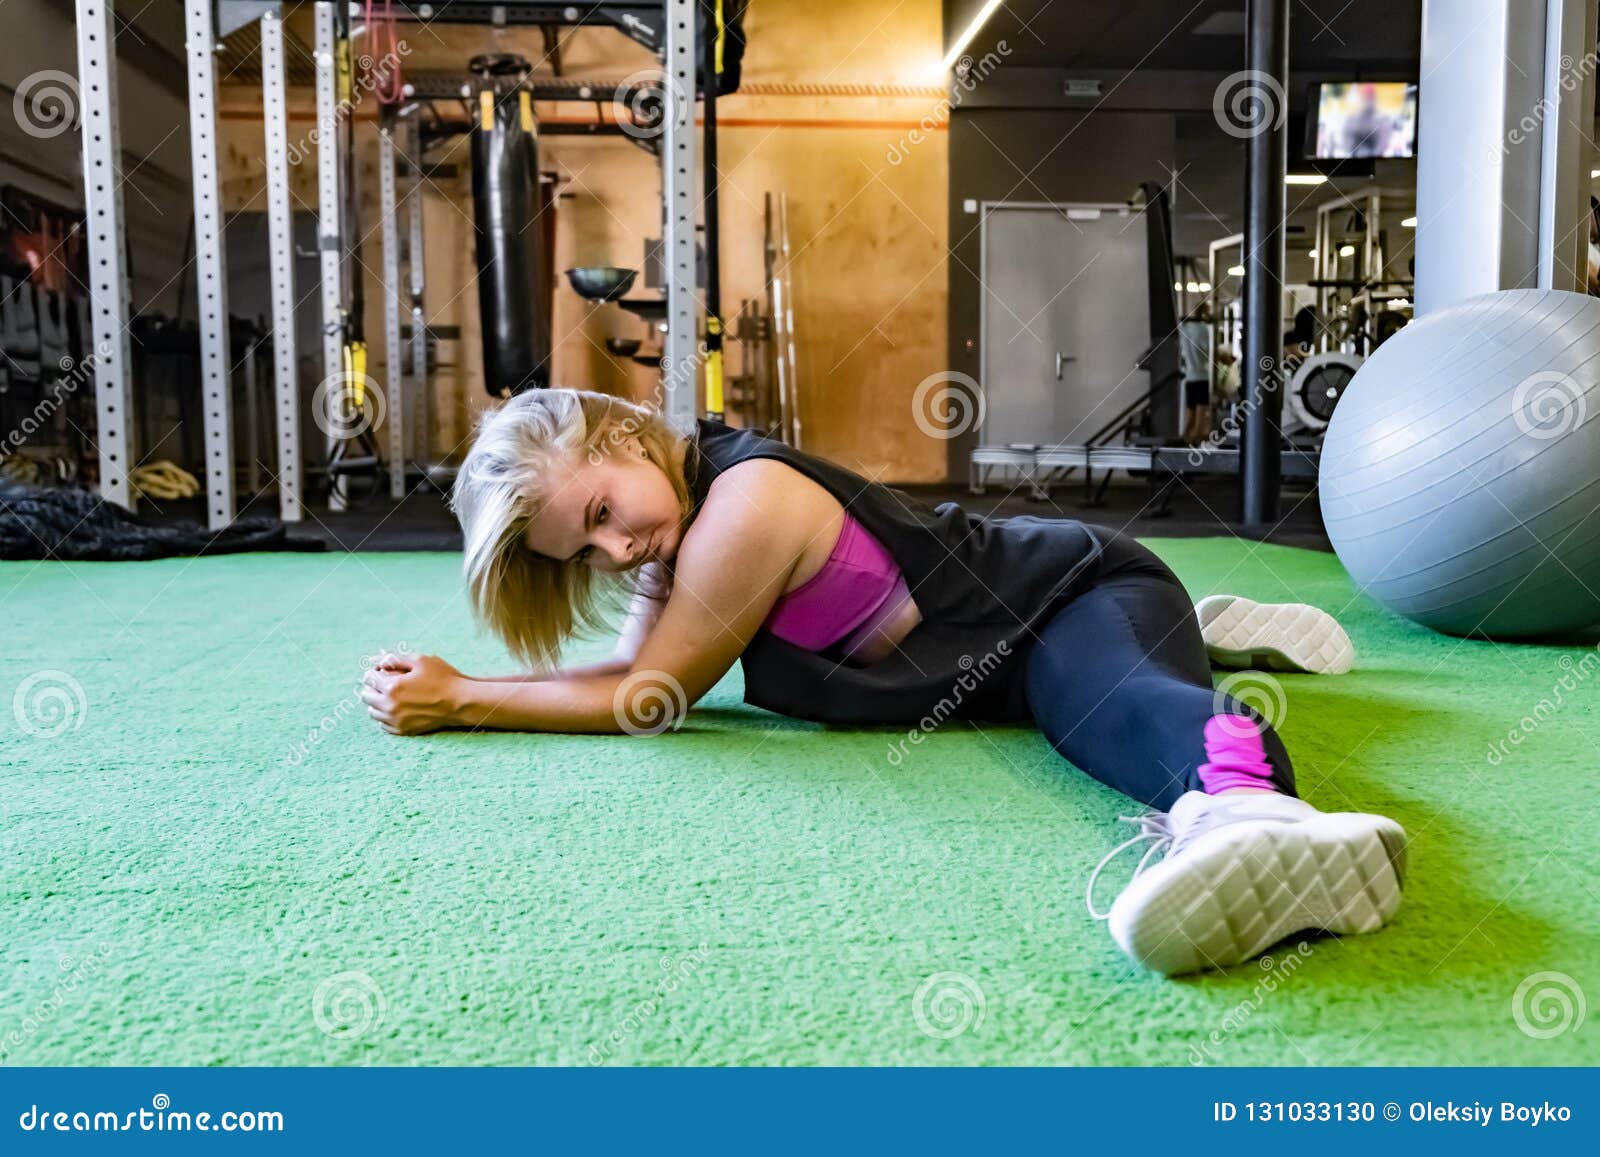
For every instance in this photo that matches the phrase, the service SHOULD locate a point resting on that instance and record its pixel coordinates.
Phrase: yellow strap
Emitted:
(714, 364)
(721, 39)
(342, 56)
(486, 110)
(714, 381)
(525, 102)
(355, 372)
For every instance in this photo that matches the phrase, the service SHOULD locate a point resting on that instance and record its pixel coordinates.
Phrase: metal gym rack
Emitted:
(666, 26)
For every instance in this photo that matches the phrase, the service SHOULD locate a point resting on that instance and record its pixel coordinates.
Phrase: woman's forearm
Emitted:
(567, 702)
(615, 666)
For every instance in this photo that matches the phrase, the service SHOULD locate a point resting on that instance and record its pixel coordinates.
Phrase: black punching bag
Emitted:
(510, 238)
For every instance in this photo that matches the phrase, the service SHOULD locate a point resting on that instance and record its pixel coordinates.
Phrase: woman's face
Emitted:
(612, 512)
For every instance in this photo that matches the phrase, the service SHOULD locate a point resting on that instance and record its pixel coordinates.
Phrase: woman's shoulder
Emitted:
(772, 488)
(759, 521)
(762, 506)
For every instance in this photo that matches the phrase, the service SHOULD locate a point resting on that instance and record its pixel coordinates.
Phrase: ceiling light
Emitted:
(1347, 251)
(1311, 253)
(1205, 287)
(1235, 271)
(965, 38)
(1192, 287)
(1303, 178)
(1409, 223)
(1177, 286)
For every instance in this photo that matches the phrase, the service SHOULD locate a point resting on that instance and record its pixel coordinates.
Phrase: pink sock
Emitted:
(1235, 756)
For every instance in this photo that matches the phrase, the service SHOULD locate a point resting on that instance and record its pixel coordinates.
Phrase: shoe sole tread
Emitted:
(1292, 637)
(1237, 894)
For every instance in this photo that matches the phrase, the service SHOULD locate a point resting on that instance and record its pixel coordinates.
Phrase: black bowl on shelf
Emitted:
(601, 282)
(648, 308)
(623, 347)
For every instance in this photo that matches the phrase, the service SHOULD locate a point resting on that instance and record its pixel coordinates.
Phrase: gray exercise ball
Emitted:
(1461, 471)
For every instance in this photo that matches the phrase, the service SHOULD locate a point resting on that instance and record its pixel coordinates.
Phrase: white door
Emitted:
(1065, 314)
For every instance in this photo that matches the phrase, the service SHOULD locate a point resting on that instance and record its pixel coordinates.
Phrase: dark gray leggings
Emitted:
(1119, 683)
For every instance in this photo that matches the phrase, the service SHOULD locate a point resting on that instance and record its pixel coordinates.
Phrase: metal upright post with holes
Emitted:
(677, 237)
(415, 267)
(211, 282)
(280, 245)
(330, 238)
(108, 287)
(393, 371)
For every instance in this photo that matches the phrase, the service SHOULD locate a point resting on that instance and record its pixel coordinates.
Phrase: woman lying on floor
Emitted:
(849, 602)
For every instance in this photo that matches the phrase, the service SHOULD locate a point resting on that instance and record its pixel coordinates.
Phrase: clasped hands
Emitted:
(413, 694)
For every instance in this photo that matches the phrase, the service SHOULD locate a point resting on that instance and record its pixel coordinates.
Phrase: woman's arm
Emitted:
(600, 667)
(643, 612)
(734, 562)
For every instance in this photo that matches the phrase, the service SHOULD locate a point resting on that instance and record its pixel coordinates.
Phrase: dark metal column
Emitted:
(1260, 465)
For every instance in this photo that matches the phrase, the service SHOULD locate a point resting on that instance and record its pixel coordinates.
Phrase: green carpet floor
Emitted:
(220, 860)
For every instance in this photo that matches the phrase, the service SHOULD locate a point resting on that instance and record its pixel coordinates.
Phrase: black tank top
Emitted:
(983, 587)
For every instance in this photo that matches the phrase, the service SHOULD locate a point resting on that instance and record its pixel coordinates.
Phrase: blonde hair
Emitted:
(520, 455)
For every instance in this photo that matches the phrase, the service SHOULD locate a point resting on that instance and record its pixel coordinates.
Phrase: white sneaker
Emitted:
(1243, 871)
(1241, 632)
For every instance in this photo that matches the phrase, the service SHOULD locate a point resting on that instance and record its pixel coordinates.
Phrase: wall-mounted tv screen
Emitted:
(1364, 119)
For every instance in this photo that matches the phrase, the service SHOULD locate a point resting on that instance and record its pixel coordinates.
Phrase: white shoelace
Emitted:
(1153, 826)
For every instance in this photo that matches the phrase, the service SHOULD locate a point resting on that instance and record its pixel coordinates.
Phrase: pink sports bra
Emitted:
(857, 590)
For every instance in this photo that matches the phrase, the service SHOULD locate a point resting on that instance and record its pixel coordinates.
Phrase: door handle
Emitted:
(1061, 361)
